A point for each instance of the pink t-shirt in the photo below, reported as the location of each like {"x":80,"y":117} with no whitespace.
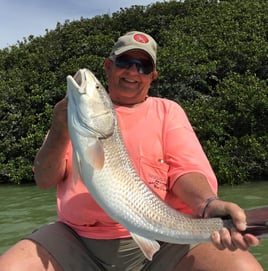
{"x":162,"y":145}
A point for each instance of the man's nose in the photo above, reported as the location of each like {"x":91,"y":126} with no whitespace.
{"x":133,"y":67}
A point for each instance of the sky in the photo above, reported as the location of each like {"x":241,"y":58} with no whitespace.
{"x":21,"y":18}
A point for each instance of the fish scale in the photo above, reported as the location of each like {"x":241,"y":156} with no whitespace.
{"x":104,"y":166}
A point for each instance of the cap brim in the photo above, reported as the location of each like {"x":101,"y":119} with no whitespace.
{"x":132,"y":48}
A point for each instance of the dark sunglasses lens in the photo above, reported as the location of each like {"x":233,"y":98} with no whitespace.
{"x":122,"y":63}
{"x":143,"y":68}
{"x":148,"y":69}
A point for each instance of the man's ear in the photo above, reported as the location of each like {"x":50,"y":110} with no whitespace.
{"x":154,"y":75}
{"x":107,"y":63}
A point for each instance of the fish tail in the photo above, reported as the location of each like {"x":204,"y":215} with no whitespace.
{"x":257,"y":222}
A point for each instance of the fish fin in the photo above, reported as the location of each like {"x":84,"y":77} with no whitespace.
{"x":76,"y":166}
{"x":147,"y":246}
{"x":95,"y":154}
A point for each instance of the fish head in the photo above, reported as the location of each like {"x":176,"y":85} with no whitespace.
{"x":90,"y":104}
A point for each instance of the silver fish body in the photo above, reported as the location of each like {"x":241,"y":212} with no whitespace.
{"x":109,"y":175}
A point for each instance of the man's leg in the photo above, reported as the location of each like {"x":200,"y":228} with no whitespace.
{"x":206,"y":257}
{"x":27,"y":255}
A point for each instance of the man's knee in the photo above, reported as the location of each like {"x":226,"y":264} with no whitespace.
{"x":208,"y":258}
{"x":27,"y":255}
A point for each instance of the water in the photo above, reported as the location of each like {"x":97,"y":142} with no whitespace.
{"x":24,"y":208}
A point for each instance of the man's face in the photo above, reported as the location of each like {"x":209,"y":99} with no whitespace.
{"x":126,"y":82}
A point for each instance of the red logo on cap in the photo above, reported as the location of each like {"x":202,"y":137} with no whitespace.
{"x":141,"y":38}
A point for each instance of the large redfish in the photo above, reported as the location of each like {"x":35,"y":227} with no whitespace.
{"x":102,"y":161}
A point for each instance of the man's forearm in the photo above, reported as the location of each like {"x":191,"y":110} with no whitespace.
{"x":49,"y":163}
{"x":194,"y":189}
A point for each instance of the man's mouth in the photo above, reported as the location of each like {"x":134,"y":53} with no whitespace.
{"x":129,"y":80}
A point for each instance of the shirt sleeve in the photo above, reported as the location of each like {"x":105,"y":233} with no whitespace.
{"x":183,"y":151}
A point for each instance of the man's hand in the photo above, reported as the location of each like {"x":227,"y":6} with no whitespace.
{"x":231,"y":239}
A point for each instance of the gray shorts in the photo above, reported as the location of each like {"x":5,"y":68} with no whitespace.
{"x":75,"y":253}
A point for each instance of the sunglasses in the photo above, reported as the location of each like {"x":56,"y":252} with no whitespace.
{"x":143,"y":67}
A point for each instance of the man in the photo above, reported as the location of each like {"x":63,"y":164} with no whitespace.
{"x":167,"y":156}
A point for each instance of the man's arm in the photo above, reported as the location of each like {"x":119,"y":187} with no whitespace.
{"x":50,"y":162}
{"x":194,"y":190}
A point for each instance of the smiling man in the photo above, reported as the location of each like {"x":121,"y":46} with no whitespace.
{"x":167,"y":156}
